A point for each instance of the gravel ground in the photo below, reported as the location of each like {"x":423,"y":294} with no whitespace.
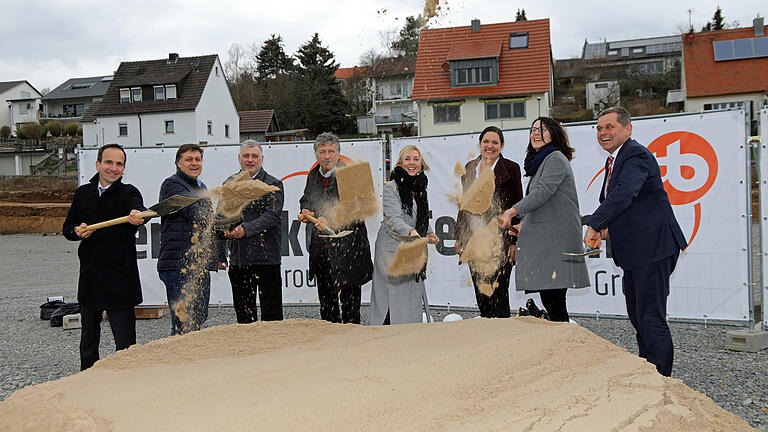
{"x":34,"y":267}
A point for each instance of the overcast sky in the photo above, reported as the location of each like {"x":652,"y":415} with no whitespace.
{"x":48,"y":42}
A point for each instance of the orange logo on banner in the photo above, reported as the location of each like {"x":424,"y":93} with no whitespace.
{"x":345,"y":160}
{"x":688,"y":163}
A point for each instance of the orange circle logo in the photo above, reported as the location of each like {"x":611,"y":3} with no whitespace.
{"x":688,"y":164}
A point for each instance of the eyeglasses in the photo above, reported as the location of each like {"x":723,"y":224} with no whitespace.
{"x":540,"y":129}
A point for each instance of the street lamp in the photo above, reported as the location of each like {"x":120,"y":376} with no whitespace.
{"x":538,"y":98}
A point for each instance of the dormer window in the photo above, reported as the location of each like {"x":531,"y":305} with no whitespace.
{"x":159,"y":93}
{"x":125,"y":95}
{"x":170,"y":91}
{"x":136,"y":94}
{"x":470,"y":73}
{"x":518,"y":41}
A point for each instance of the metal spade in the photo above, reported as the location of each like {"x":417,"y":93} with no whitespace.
{"x":163,"y":208}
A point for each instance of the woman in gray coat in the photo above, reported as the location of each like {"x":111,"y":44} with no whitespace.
{"x":398,"y":299}
{"x":551,"y":221}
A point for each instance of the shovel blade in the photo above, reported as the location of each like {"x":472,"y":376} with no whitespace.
{"x":173,"y":204}
{"x":337,"y":235}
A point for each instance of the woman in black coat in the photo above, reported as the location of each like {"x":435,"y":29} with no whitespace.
{"x":508,"y":190}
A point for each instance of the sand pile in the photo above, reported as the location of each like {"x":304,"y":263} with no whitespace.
{"x":357,"y":196}
{"x":409,"y":258}
{"x":480,"y":374}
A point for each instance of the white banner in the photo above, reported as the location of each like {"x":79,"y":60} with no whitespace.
{"x":146,"y":168}
{"x":702,"y":158}
{"x":764,"y":210}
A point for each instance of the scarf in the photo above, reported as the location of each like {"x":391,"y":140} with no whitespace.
{"x":534,"y":159}
{"x":413,"y":188}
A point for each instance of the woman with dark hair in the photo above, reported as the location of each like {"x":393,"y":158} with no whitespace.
{"x":398,"y":299}
{"x":551,"y":221}
{"x":508,"y":190}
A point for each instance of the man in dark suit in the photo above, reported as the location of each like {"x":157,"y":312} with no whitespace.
{"x":645,"y":237}
{"x":109,"y":274}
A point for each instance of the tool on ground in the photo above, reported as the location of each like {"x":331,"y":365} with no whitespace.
{"x":589,"y":250}
{"x":329,"y":233}
{"x":163,"y":208}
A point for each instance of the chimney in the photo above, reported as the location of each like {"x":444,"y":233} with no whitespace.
{"x":173,"y":57}
{"x":475,"y":25}
{"x":758,"y":24}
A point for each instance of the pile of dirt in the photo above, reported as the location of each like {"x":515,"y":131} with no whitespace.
{"x":479,"y":374}
{"x":34,"y":204}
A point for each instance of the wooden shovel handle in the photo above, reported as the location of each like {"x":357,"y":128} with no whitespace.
{"x":120,"y":220}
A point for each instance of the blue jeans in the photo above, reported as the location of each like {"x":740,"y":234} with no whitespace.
{"x":188,"y":297}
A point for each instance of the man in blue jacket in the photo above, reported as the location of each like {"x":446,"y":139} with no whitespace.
{"x":635,"y":213}
{"x":186,"y":245}
{"x":254,"y":245}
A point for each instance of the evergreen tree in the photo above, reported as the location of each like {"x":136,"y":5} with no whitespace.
{"x":271,"y":60}
{"x":321,"y":104}
{"x":520,"y":16}
{"x":718,"y":22}
{"x":408,"y":42}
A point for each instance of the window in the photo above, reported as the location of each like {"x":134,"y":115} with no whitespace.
{"x":518,"y":40}
{"x":396,"y":89}
{"x":637,"y":50}
{"x":447,"y":113}
{"x":480,"y":72}
{"x":169,"y":129}
{"x":25,"y":95}
{"x":125,"y":95}
{"x":159,"y":93}
{"x":613,"y":52}
{"x":723,"y":105}
{"x":73,"y":110}
{"x":23,"y":108}
{"x":136,"y":94}
{"x":122,"y":129}
{"x":217,"y":71}
{"x":170,"y":91}
{"x":226,"y":130}
{"x":504,"y":110}
{"x":210,"y":127}
{"x":84,"y":85}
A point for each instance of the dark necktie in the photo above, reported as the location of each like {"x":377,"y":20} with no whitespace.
{"x":608,"y":177}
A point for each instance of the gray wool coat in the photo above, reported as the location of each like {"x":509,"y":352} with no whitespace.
{"x":402,"y":295}
{"x":551,"y":225}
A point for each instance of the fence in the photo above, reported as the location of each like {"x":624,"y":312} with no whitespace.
{"x":704,"y":161}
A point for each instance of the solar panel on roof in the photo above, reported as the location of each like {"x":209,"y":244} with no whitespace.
{"x":741,"y":48}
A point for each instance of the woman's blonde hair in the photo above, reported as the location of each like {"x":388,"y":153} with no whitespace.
{"x":407,"y":149}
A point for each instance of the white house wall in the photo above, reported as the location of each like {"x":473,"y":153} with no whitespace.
{"x":106,"y":130}
{"x":759,"y":101}
{"x":472,"y":114}
{"x":216,"y":105}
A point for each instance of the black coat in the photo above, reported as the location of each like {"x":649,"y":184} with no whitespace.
{"x":177,"y":229}
{"x":348,"y":258}
{"x":263,"y":231}
{"x":109,"y":275}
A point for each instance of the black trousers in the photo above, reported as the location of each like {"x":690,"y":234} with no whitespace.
{"x":645,"y":290}
{"x":554,"y":303}
{"x":248,"y":281}
{"x":497,"y":304}
{"x":339,"y":302}
{"x":121,"y":321}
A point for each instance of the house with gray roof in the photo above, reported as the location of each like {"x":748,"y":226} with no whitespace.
{"x":165,"y":102}
{"x":69,"y":101}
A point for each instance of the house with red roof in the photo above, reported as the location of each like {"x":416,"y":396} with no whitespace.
{"x":468,"y":78}
{"x":727,"y":69}
{"x":164,"y":102}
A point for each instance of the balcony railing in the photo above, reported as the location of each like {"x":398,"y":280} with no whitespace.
{"x":396,"y":118}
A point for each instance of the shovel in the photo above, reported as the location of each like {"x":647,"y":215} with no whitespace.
{"x":163,"y":208}
{"x":329,"y":233}
{"x":589,"y":250}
